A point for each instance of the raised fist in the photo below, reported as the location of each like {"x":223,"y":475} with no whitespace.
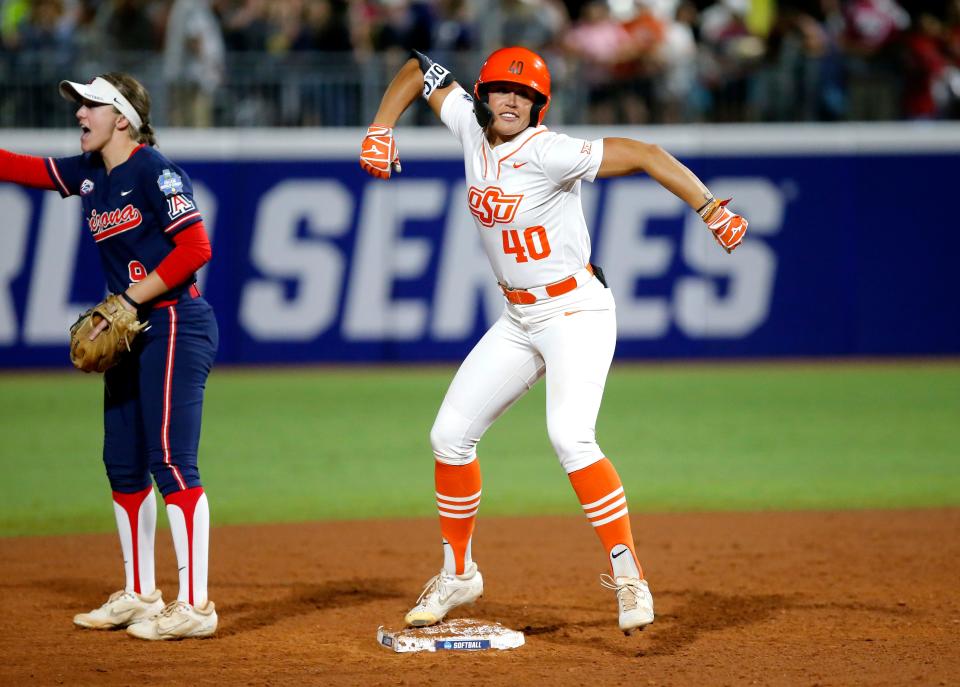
{"x":728,"y":229}
{"x":378,"y":152}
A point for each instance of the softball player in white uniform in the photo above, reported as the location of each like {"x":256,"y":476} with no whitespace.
{"x":559,"y":319}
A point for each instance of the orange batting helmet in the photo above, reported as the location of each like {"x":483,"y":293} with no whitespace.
{"x":513,"y":65}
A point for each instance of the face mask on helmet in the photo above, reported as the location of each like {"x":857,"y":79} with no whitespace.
{"x":484,"y":115}
{"x":513,"y":65}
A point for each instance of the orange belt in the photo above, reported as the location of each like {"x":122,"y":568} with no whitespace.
{"x":557,"y":288}
{"x":188,"y":295}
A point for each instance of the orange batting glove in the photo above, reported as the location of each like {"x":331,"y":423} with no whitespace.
{"x":378,"y":152}
{"x":728,"y":229}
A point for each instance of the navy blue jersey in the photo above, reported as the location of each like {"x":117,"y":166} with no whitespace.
{"x":132,"y":213}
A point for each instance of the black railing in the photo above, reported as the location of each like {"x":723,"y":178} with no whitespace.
{"x":340,"y":89}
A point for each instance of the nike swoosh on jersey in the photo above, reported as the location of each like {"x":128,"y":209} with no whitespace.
{"x":518,"y":165}
{"x":126,"y":193}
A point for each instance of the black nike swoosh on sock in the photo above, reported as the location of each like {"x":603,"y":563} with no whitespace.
{"x":615,"y":555}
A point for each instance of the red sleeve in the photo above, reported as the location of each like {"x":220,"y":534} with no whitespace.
{"x":25,"y":170}
{"x":191,"y":251}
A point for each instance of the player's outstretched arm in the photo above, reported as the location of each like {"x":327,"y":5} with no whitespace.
{"x":622,"y":156}
{"x":418,"y":76}
{"x":25,"y":170}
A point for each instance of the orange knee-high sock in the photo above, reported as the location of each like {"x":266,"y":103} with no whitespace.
{"x":601,"y":494}
{"x":458,"y":499}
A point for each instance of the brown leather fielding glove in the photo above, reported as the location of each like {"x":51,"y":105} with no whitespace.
{"x":105,"y":350}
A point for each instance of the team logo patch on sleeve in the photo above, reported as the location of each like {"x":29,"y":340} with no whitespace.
{"x":170,"y":183}
{"x":178,"y":205}
{"x":86,"y":187}
{"x":587,"y":147}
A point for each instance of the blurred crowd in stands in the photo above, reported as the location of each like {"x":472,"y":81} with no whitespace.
{"x":614,"y":61}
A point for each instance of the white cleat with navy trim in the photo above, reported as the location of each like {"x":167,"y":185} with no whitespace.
{"x":122,"y":609}
{"x":179,"y":620}
{"x":633,"y":600}
{"x":443,"y":593}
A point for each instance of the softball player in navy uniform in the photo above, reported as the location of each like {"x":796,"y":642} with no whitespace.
{"x":523,"y":190}
{"x":140,"y":211}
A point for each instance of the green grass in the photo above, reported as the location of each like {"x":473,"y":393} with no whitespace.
{"x":315,"y":443}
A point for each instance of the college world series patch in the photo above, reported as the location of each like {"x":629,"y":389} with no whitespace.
{"x":170,"y":183}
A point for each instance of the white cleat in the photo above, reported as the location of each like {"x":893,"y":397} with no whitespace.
{"x":179,"y":620}
{"x":122,"y":609}
{"x":443,"y":593}
{"x":633,"y":599}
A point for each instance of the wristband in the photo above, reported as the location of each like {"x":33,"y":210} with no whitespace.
{"x":703,"y":209}
{"x":434,"y":75}
{"x":124,"y":296}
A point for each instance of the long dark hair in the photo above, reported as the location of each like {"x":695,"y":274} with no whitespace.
{"x":139,"y":98}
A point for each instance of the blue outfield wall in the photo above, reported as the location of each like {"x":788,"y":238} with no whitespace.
{"x":852,"y":248}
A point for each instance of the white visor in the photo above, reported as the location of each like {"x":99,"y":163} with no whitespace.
{"x":101,"y":91}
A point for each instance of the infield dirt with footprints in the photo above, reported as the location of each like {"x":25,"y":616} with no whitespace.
{"x":835,"y":598}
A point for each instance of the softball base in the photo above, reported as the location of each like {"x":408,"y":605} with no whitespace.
{"x":460,"y":634}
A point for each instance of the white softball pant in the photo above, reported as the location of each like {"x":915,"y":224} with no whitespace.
{"x":570,"y":340}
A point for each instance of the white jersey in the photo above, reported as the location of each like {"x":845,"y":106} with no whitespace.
{"x":524,"y":196}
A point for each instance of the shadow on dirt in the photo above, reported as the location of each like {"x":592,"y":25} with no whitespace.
{"x":700,"y":613}
{"x":695,"y":614}
{"x":78,"y":594}
{"x":304,"y":599}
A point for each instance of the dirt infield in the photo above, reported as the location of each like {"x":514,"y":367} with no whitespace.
{"x":866,"y":598}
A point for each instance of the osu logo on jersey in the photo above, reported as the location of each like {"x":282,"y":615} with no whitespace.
{"x":491,"y":205}
{"x":108,"y":224}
